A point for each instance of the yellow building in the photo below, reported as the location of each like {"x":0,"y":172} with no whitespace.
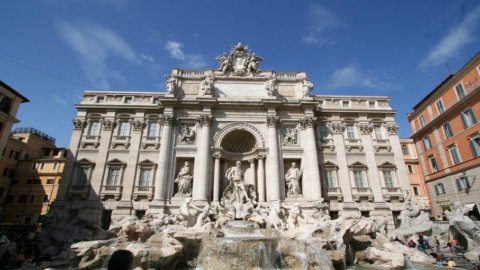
{"x":33,"y":185}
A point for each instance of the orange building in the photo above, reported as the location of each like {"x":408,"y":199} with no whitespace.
{"x":446,"y":132}
{"x":418,"y":189}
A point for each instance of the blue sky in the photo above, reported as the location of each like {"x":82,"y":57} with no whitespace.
{"x":53,"y":50}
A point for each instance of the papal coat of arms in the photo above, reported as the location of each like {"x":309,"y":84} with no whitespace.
{"x":240,"y":62}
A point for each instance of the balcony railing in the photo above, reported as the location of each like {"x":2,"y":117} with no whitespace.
{"x":111,"y":191}
{"x":335,"y":193}
{"x":362,"y":192}
{"x":392,"y":192}
{"x":121,"y":140}
{"x":143,"y":191}
{"x":151,"y":141}
{"x":353,"y":143}
{"x":79,"y":191}
{"x":90,"y":140}
{"x":469,"y":88}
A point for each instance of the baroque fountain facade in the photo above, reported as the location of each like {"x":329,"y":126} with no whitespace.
{"x":235,"y":160}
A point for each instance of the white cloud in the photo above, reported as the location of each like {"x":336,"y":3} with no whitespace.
{"x":457,"y":37}
{"x":57,"y":99}
{"x":321,"y":20}
{"x":147,"y":57}
{"x":351,"y":76}
{"x":94,"y":45}
{"x":175,"y":49}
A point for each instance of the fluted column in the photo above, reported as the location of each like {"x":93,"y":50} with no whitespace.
{"x":161,"y":181}
{"x":273,"y":163}
{"x":216,"y":178}
{"x":261,"y":179}
{"x":201,"y":185}
{"x":311,"y":174}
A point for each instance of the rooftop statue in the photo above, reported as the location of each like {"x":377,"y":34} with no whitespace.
{"x":240,"y":62}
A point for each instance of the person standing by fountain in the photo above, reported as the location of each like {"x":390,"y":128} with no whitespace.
{"x":292,"y":178}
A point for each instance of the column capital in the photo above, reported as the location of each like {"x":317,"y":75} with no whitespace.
{"x":216,"y":155}
{"x":307,"y":122}
{"x":109,"y":124}
{"x":365,"y":128}
{"x":261,"y":157}
{"x":138,"y":124}
{"x":79,"y":124}
{"x":272,"y":121}
{"x":204,"y":120}
{"x":392,"y":128}
{"x":336,"y":127}
{"x":167,"y":120}
{"x":251,"y":160}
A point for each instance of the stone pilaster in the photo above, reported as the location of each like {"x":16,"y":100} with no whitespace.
{"x":216,"y":178}
{"x":402,"y":177}
{"x":311,"y":186}
{"x":373,"y":175}
{"x":261,"y":179}
{"x":343,"y":176}
{"x":201,"y":185}
{"x":161,"y":181}
{"x":274,"y":178}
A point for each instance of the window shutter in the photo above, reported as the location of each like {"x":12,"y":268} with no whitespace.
{"x":463,"y":121}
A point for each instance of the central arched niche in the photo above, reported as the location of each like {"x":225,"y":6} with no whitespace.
{"x":239,"y":141}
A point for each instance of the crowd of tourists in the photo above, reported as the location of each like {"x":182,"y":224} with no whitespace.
{"x":18,"y":247}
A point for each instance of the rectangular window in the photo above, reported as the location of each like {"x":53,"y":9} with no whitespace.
{"x":45,"y":198}
{"x":475,"y":146}
{"x":415,"y":190}
{"x":114,"y":177}
{"x":371,"y":104}
{"x":145,"y":177}
{"x":82,"y":176}
{"x":32,"y":198}
{"x":454,"y":154}
{"x":405,"y":150}
{"x":42,"y":165}
{"x":100,"y":99}
{"x":468,"y":118}
{"x":433,"y":164}
{"x":378,"y":132}
{"x":387,"y":177}
{"x":123,"y":129}
{"x":426,"y":143}
{"x":410,"y":168}
{"x":94,"y":129}
{"x":351,"y":132}
{"x":439,"y":189}
{"x":330,"y":178}
{"x":54,"y":165}
{"x":345,"y":103}
{"x":152,"y":129}
{"x":50,"y":181}
{"x":324,"y":132}
{"x":440,"y":107}
{"x":422,"y":121}
{"x":10,"y":155}
{"x":447,"y":130}
{"x":460,"y":91}
{"x":5,"y":104}
{"x":128,"y":100}
{"x":358,"y":177}
{"x":462,"y":183}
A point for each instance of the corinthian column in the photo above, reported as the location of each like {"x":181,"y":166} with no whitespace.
{"x":216,"y":178}
{"x":273,"y":163}
{"x":311,"y":175}
{"x":261,"y":179}
{"x":201,"y":185}
{"x":161,"y":182}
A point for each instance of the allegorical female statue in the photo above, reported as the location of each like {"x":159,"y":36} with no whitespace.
{"x":184,"y":180}
{"x":292,"y":178}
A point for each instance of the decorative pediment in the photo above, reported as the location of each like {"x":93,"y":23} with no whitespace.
{"x":357,"y":164}
{"x":85,"y":161}
{"x":147,"y":163}
{"x":330,"y":164}
{"x":387,"y":165}
{"x":116,"y":162}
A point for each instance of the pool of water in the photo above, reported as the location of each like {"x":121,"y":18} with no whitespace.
{"x":411,"y":267}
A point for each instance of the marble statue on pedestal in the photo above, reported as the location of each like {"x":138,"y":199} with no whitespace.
{"x":206,"y":86}
{"x":184,"y":180}
{"x":238,"y":197}
{"x":292,"y":178}
{"x":307,"y":88}
{"x":171,"y":85}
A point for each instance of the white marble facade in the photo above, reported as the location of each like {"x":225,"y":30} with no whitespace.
{"x":129,"y":147}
